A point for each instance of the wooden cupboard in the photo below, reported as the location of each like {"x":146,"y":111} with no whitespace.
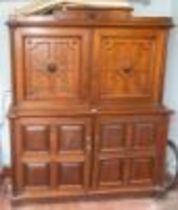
{"x":87,"y":115}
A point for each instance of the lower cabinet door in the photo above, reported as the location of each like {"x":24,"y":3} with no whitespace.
{"x":52,"y":154}
{"x":129,"y":152}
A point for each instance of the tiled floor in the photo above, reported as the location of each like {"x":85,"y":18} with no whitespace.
{"x":167,"y":203}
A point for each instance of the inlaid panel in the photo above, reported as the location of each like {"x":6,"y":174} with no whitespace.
{"x":36,"y":174}
{"x":112,"y":136}
{"x":35,"y":137}
{"x":126,"y":64}
{"x":142,"y":171}
{"x":111,"y":172}
{"x":70,"y":174}
{"x":71,"y":138}
{"x":55,"y":65}
{"x":126,"y":67}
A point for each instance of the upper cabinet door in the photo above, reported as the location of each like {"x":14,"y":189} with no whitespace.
{"x":52,"y":65}
{"x":128,"y":65}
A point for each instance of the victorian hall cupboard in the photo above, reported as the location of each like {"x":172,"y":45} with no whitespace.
{"x":87,"y":115}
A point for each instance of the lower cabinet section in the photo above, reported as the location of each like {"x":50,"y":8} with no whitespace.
{"x":88,"y":155}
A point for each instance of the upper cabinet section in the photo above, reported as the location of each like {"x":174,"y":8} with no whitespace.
{"x":87,"y":57}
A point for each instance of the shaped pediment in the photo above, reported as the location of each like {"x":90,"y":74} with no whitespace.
{"x":43,"y":6}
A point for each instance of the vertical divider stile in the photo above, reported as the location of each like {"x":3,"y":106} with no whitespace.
{"x":53,"y":156}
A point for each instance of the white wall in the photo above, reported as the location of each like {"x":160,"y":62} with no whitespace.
{"x":171,"y":83}
{"x":5,"y":9}
{"x":174,"y":9}
{"x":156,"y":8}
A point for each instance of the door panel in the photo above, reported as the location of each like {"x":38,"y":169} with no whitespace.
{"x":55,"y":67}
{"x":142,"y":171}
{"x":36,"y":175}
{"x":127,"y":66}
{"x":71,"y":138}
{"x":113,"y":137}
{"x":71,"y":175}
{"x":111,"y":172}
{"x":144,"y":135}
{"x":36,"y":138}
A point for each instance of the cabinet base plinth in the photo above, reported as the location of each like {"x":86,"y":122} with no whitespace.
{"x":58,"y":197}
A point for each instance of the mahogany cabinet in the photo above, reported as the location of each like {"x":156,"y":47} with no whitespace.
{"x":87,"y":115}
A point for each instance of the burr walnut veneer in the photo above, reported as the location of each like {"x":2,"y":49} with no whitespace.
{"x":86,"y":117}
